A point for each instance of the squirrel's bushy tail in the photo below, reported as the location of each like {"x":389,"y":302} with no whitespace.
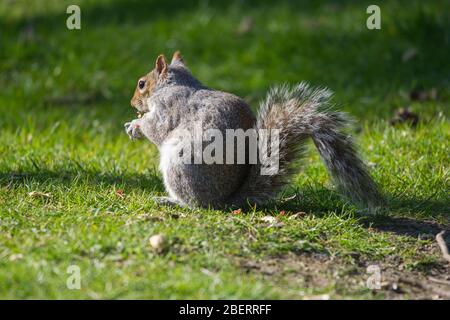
{"x":301,"y":112}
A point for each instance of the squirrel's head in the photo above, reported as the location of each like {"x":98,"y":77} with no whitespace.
{"x":147,"y":84}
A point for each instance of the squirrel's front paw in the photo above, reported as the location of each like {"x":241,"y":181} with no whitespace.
{"x":133,"y":129}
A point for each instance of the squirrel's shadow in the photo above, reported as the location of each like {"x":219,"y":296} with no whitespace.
{"x":319,"y":202}
{"x":149,"y":181}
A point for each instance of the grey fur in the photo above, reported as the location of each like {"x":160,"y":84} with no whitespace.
{"x":302,"y":112}
{"x":180,"y":101}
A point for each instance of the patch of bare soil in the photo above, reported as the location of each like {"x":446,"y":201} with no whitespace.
{"x":408,"y":227}
{"x":350,"y":277}
{"x":307,"y":271}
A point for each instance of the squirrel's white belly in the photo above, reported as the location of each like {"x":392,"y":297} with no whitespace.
{"x":169,"y":156}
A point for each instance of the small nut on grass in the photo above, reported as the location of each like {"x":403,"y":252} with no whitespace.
{"x":158,"y":242}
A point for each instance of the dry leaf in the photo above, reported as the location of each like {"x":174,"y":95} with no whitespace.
{"x":120,"y":193}
{"x":39,"y":194}
{"x":236,"y":212}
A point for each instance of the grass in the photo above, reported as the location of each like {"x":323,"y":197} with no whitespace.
{"x":64,"y":99}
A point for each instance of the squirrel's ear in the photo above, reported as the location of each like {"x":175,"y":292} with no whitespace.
{"x":161,"y":65}
{"x":177,"y":57}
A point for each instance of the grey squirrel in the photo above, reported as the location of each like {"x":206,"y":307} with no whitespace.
{"x":169,"y":100}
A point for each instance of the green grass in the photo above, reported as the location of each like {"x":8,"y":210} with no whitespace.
{"x":65,"y":96}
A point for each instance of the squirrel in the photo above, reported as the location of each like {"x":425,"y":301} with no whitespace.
{"x":169,"y":100}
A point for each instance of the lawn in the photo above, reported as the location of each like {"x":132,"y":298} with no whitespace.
{"x":75,"y":191}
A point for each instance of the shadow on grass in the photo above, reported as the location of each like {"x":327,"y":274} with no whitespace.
{"x":67,"y":178}
{"x":318,"y":202}
{"x":405,"y":226}
{"x":423,"y":212}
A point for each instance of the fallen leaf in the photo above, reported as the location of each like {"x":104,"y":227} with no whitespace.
{"x":39,"y":194}
{"x":120,"y":193}
{"x":236,"y":212}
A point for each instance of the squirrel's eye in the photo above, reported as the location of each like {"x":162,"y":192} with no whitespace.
{"x":141,"y":84}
